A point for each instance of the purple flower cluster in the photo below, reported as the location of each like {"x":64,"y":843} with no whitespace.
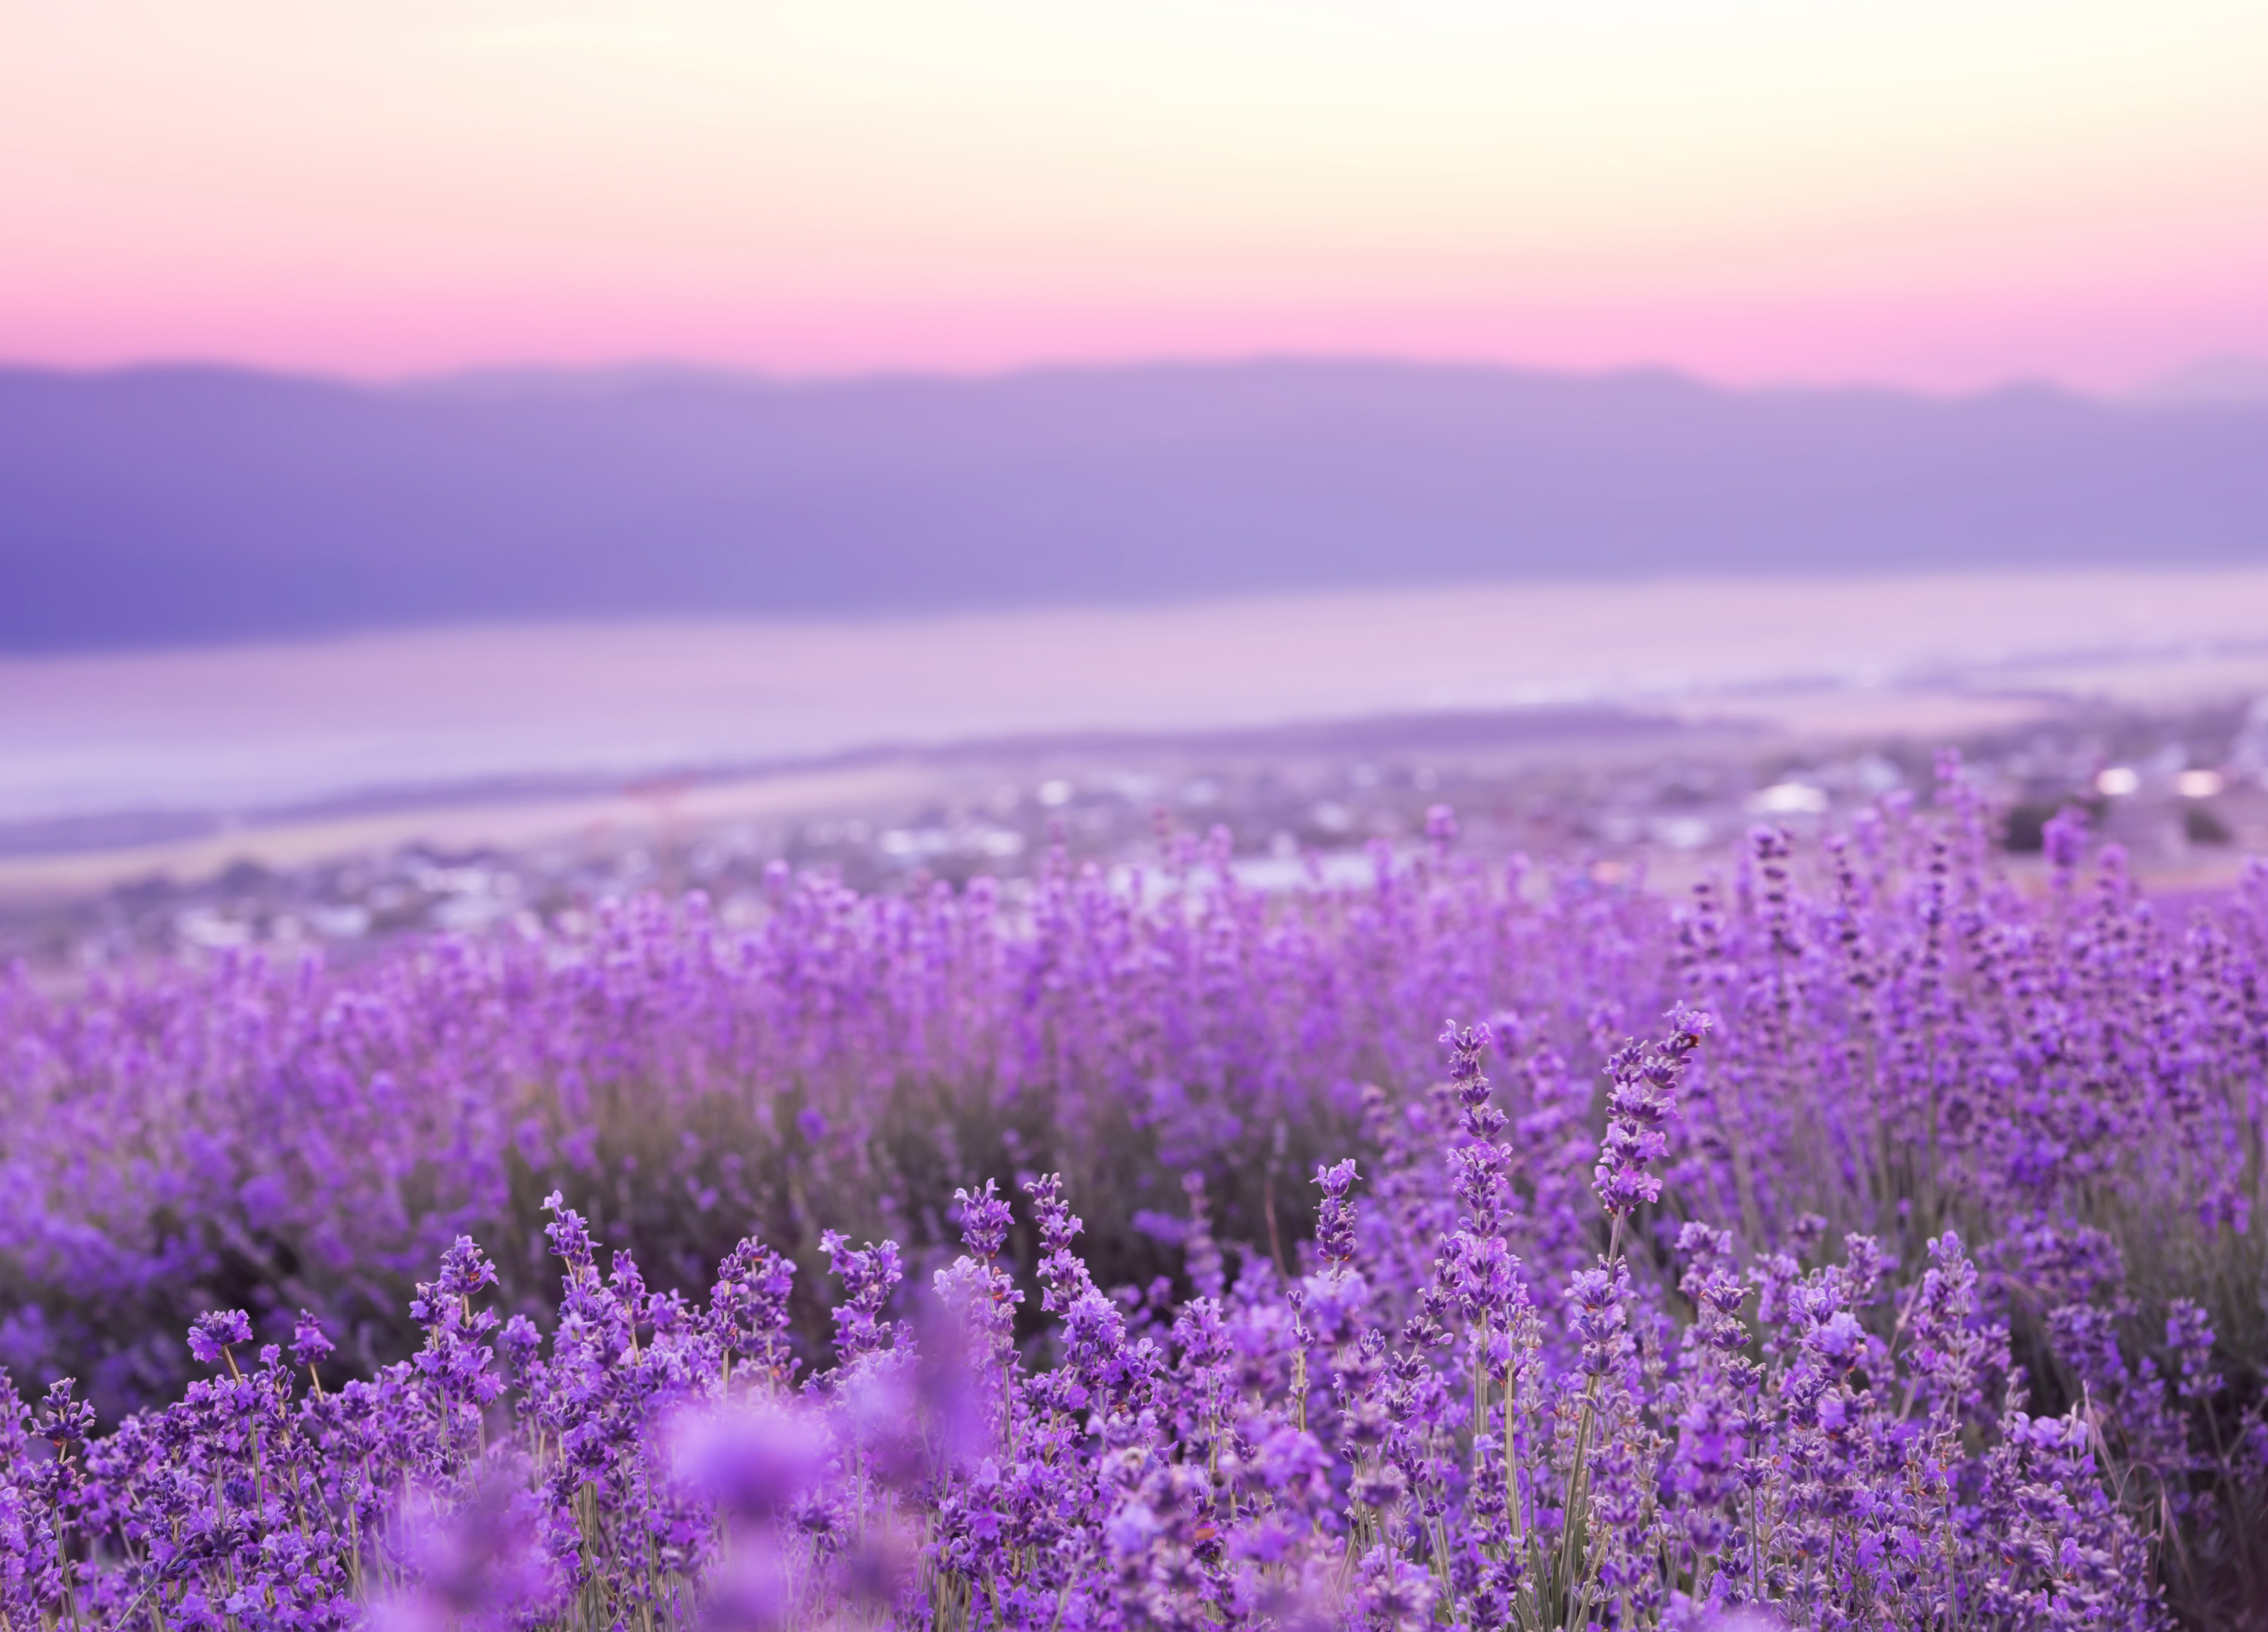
{"x":1904,"y":1274}
{"x":1478,"y":1448}
{"x":276,"y":1136}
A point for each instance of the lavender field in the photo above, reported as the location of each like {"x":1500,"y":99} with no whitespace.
{"x":1855,"y":1241}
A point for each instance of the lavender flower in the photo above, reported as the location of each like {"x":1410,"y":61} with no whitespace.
{"x":1335,"y":1219}
{"x":1639,"y":1106}
{"x":1787,"y":1388}
{"x":214,"y":1335}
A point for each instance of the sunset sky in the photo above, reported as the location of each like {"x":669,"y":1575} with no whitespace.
{"x":1943,"y":193}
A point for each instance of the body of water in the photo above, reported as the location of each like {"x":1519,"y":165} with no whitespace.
{"x":260,"y":726}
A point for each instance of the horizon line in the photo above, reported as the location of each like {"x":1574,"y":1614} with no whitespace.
{"x":661,"y":367}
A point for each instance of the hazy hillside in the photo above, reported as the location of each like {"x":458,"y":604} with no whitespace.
{"x":193,"y":504}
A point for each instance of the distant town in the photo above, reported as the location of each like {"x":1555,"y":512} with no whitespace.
{"x":1630,"y":796}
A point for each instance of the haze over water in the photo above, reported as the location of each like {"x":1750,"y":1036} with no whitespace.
{"x":259,"y":725}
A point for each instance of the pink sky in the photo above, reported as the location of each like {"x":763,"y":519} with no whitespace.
{"x":1935,"y":192}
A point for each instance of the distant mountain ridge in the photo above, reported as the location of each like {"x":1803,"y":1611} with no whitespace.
{"x":170,"y":504}
{"x":2229,"y":378}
